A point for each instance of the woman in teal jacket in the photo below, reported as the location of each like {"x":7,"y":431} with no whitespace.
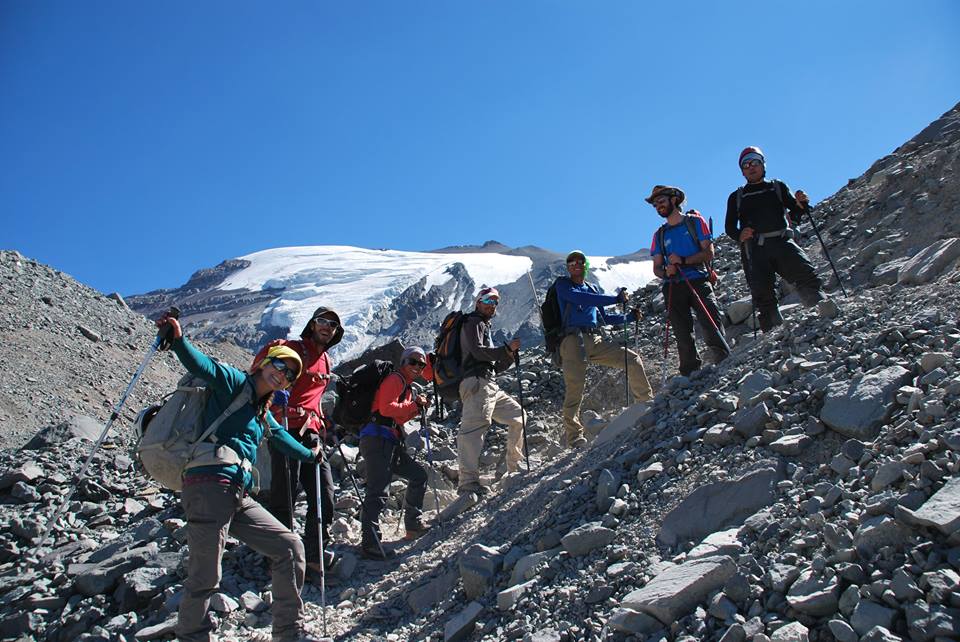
{"x":215,"y":498}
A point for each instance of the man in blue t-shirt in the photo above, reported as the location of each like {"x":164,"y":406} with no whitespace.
{"x":682,"y":249}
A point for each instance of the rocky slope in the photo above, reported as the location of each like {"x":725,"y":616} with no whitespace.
{"x":808,"y":488}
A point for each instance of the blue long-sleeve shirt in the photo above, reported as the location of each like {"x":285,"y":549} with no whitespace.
{"x":241,"y":431}
{"x":581,"y":306}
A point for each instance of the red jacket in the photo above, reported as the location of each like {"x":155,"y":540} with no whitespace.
{"x":394,"y":398}
{"x":304,"y":411}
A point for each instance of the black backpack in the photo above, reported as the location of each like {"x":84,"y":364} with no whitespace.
{"x":448,"y":357}
{"x":355,"y":394}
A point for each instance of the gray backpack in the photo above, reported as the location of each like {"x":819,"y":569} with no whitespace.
{"x":172,"y":438}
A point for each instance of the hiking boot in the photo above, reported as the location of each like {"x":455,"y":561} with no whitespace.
{"x":579,"y":442}
{"x":473,"y":487}
{"x":373,"y":552}
{"x":415,"y":530}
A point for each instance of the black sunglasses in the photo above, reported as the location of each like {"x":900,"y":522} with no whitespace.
{"x":282,"y":366}
{"x":415,"y":363}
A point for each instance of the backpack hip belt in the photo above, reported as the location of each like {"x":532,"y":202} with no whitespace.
{"x":786,"y":233}
{"x":596,"y":331}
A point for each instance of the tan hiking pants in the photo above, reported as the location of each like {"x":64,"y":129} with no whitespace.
{"x":595,"y":349}
{"x":212,"y":510}
{"x":484,"y":402}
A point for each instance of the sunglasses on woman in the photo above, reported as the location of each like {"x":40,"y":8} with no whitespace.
{"x":416,"y":364}
{"x":281,"y":366}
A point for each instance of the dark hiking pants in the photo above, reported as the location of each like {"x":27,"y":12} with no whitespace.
{"x":784,"y":257}
{"x":384,"y":459}
{"x":683,"y":305}
{"x":302,"y":475}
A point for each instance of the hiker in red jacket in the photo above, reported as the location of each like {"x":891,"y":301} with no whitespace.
{"x":382,"y":447}
{"x":305,"y":422}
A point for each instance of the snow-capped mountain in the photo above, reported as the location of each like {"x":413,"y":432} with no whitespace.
{"x":379,"y":294}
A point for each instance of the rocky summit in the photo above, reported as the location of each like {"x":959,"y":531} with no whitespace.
{"x":807,"y":488}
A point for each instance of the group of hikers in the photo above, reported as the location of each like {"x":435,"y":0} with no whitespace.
{"x":287,"y":378}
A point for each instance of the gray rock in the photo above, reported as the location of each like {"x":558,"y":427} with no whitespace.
{"x":903,"y":586}
{"x":607,"y":485}
{"x":791,"y":445}
{"x":752,"y":384}
{"x":868,"y":614}
{"x":649,"y":472}
{"x":100,"y":578}
{"x":880,"y":634}
{"x":676,"y":591}
{"x":941,"y":511}
{"x":858,"y":408}
{"x":25,"y":493}
{"x":751,"y":421}
{"x":782,"y":577}
{"x":792,"y":632}
{"x":815,"y":596}
{"x":139,"y":586}
{"x":433,"y":592}
{"x":877,"y":532}
{"x":252,"y":602}
{"x":583,"y":539}
{"x":508,"y":598}
{"x":889,"y":473}
{"x":842,"y":631}
{"x":740,"y":310}
{"x":930,"y":361}
{"x":720,"y":435}
{"x":633,"y":622}
{"x":223,"y":603}
{"x":478,"y":566}
{"x":75,"y":427}
{"x":461,"y":626}
{"x":714,"y":506}
{"x":721,"y":543}
{"x":526,"y":567}
{"x":627,"y":420}
{"x":157,"y":631}
{"x":927,"y":264}
{"x":28,"y":472}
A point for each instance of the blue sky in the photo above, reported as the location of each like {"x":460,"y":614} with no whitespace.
{"x":140,"y":141}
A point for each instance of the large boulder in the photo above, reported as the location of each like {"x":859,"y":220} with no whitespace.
{"x":941,"y":511}
{"x":676,"y":591}
{"x":858,"y":408}
{"x":75,"y":427}
{"x":714,"y":506}
{"x":927,"y":264}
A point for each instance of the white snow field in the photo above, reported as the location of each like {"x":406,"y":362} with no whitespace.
{"x":360,"y":283}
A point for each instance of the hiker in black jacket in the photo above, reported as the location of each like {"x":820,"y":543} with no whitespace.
{"x":761,"y":216}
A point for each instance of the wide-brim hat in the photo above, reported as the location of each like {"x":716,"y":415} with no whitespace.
{"x":665,"y":190}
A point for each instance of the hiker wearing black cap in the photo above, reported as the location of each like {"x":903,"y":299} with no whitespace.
{"x":682,"y":249}
{"x":581,"y":308}
{"x":761,"y":216}
{"x":382,"y":446}
{"x":305,"y":422}
{"x":483,"y":400}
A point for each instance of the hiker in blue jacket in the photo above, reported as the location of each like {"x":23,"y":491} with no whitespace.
{"x":215,"y":498}
{"x":581,"y":310}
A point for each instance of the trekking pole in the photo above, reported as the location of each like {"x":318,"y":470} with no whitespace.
{"x":666,"y":337}
{"x":356,"y":487}
{"x":161,"y":342}
{"x":703,"y":306}
{"x":626,"y":359}
{"x":287,"y":482}
{"x":816,"y":231}
{"x":433,"y":483}
{"x":523,"y":412}
{"x":438,"y":399}
{"x":323,"y":565}
{"x":749,"y":277}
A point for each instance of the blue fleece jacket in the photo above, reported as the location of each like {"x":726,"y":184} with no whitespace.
{"x":581,"y":306}
{"x":242,"y":431}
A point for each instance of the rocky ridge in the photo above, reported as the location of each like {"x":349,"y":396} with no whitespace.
{"x":805,"y":489}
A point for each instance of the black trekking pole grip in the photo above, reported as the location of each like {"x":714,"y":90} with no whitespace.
{"x":816,"y":230}
{"x":165,"y":334}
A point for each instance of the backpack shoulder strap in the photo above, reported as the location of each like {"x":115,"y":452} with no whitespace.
{"x":243,"y":397}
{"x":692,"y":229}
